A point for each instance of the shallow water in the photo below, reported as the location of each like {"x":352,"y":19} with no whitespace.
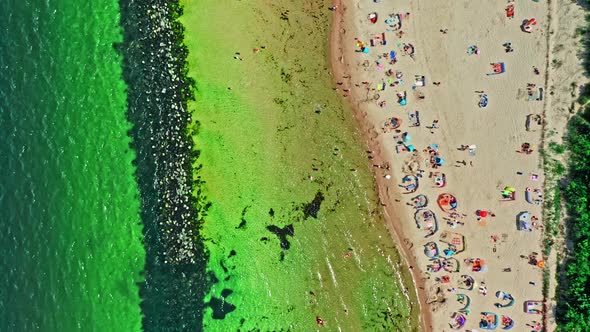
{"x":293,"y":233}
{"x":71,"y":234}
{"x":287,"y":177}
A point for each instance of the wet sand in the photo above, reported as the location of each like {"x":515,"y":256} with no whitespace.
{"x":343,"y":73}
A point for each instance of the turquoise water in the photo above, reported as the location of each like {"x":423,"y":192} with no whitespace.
{"x":71,"y":233}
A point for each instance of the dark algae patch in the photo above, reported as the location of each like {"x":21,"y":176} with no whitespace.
{"x":220,"y":306}
{"x":158,"y":91}
{"x":282,"y":234}
{"x":312,"y":208}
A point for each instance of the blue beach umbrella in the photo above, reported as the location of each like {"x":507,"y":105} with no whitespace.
{"x":365,"y":50}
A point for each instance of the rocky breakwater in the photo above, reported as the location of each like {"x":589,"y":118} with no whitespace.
{"x":154,"y":68}
{"x":159,"y":91}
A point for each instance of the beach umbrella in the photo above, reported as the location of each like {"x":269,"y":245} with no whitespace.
{"x":407,"y":137}
{"x":365,"y":50}
{"x":403,"y":102}
{"x":481,"y":213}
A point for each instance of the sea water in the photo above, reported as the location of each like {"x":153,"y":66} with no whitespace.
{"x":70,"y":235}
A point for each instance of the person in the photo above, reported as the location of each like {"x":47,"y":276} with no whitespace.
{"x":333,"y":8}
{"x":320,"y":321}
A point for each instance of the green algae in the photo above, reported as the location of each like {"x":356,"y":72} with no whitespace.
{"x":285,"y":173}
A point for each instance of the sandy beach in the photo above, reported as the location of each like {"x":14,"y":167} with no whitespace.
{"x":477,"y":84}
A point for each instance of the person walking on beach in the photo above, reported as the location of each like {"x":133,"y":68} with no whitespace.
{"x":433,"y":126}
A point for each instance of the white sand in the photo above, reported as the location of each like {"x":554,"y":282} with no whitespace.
{"x":498,"y":131}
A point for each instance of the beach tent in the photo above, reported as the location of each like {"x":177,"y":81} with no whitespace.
{"x":392,"y":124}
{"x":420,"y":201}
{"x":457,"y":321}
{"x":498,"y":68}
{"x":504,"y":297}
{"x":426,"y":220}
{"x":434,"y":266}
{"x":455,"y":241}
{"x":414,"y":118}
{"x":467,"y":282}
{"x":528,"y":196}
{"x":509,"y":193}
{"x":507,"y":323}
{"x":489,"y":321}
{"x":447,"y":202}
{"x":477,"y":264}
{"x":533,"y":307}
{"x":431,"y":250}
{"x":465,"y":301}
{"x":451,"y":265}
{"x":409,"y":49}
{"x":536,"y":95}
{"x":524,"y":221}
{"x":410,"y":183}
{"x":440,"y":180}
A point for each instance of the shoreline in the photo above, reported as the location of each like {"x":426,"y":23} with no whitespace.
{"x":339,"y":68}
